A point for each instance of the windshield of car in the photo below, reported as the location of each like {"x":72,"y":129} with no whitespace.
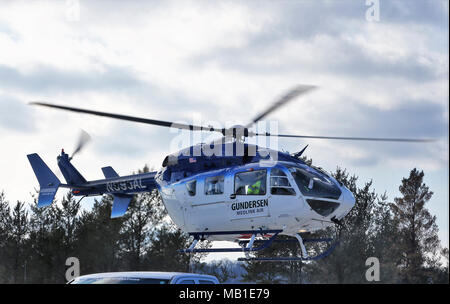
{"x":314,"y":183}
{"x":119,"y":280}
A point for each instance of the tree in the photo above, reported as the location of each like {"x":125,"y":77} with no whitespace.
{"x":419,"y":240}
{"x":383,"y":237}
{"x":99,"y":238}
{"x":163,"y":253}
{"x":63,"y":237}
{"x":19,"y":230}
{"x":145,"y":213}
{"x":40,"y":255}
{"x":442,"y":273}
{"x":141,"y":215}
{"x":224,"y":270}
{"x":346,"y":264}
{"x":5,"y":229}
{"x":276,"y":272}
{"x":5,"y":218}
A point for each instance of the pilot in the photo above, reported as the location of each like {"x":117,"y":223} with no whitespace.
{"x":255,"y":188}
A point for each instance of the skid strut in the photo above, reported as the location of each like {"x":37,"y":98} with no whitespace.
{"x":302,"y":246}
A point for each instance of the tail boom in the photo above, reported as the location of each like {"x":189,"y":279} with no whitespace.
{"x":125,"y":185}
{"x":121,"y":188}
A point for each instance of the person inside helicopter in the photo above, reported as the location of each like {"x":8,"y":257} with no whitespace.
{"x":251,"y":182}
{"x":255,"y":188}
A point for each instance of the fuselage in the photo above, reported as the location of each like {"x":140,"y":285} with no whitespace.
{"x":211,"y":193}
{"x":270,"y":191}
{"x":218,"y":200}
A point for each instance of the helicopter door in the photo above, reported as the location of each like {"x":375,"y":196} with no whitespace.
{"x":189,"y":194}
{"x":206,"y":207}
{"x":250,"y":189}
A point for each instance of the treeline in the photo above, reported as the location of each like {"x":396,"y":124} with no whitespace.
{"x":35,"y":242}
{"x":402,"y":234}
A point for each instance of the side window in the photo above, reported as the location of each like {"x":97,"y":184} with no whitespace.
{"x":279,"y":183}
{"x":250,"y":183}
{"x":191,"y":187}
{"x":214,"y":185}
{"x":205,"y":282}
{"x":187,"y":282}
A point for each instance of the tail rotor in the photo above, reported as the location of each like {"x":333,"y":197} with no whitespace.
{"x":83,"y":139}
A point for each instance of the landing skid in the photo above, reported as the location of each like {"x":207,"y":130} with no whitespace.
{"x":199,"y":236}
{"x":247,"y":245}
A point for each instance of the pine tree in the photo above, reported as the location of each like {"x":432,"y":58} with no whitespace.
{"x":5,"y":233}
{"x":4,"y":219}
{"x":346,"y":264}
{"x":19,"y":230}
{"x":163,"y":254}
{"x":276,"y":272}
{"x":62,"y":237}
{"x":99,"y":238}
{"x":383,"y":238}
{"x":141,"y":216}
{"x":225,"y":270}
{"x":419,"y":240}
{"x":40,"y":261}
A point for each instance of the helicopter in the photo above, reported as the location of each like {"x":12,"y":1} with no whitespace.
{"x":244,"y":193}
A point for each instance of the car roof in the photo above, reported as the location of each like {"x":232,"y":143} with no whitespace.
{"x":143,"y":274}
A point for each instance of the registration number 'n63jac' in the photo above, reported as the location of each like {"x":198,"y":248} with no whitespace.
{"x":135,"y":184}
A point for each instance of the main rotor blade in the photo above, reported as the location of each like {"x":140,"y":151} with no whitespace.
{"x":351,"y":138}
{"x":295,"y":92}
{"x":161,"y":123}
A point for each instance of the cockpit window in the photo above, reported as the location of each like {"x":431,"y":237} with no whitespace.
{"x":191,"y":187}
{"x":279,"y":183}
{"x":250,"y":183}
{"x":214,"y":185}
{"x":314,"y":183}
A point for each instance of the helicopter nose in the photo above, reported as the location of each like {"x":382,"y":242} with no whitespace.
{"x":347,"y":202}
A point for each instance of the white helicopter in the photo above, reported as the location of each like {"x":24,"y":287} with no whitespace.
{"x":245,"y":193}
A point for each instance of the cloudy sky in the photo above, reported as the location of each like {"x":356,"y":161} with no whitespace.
{"x":222,"y":62}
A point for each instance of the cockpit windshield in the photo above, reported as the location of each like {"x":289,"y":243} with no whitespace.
{"x":314,"y":183}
